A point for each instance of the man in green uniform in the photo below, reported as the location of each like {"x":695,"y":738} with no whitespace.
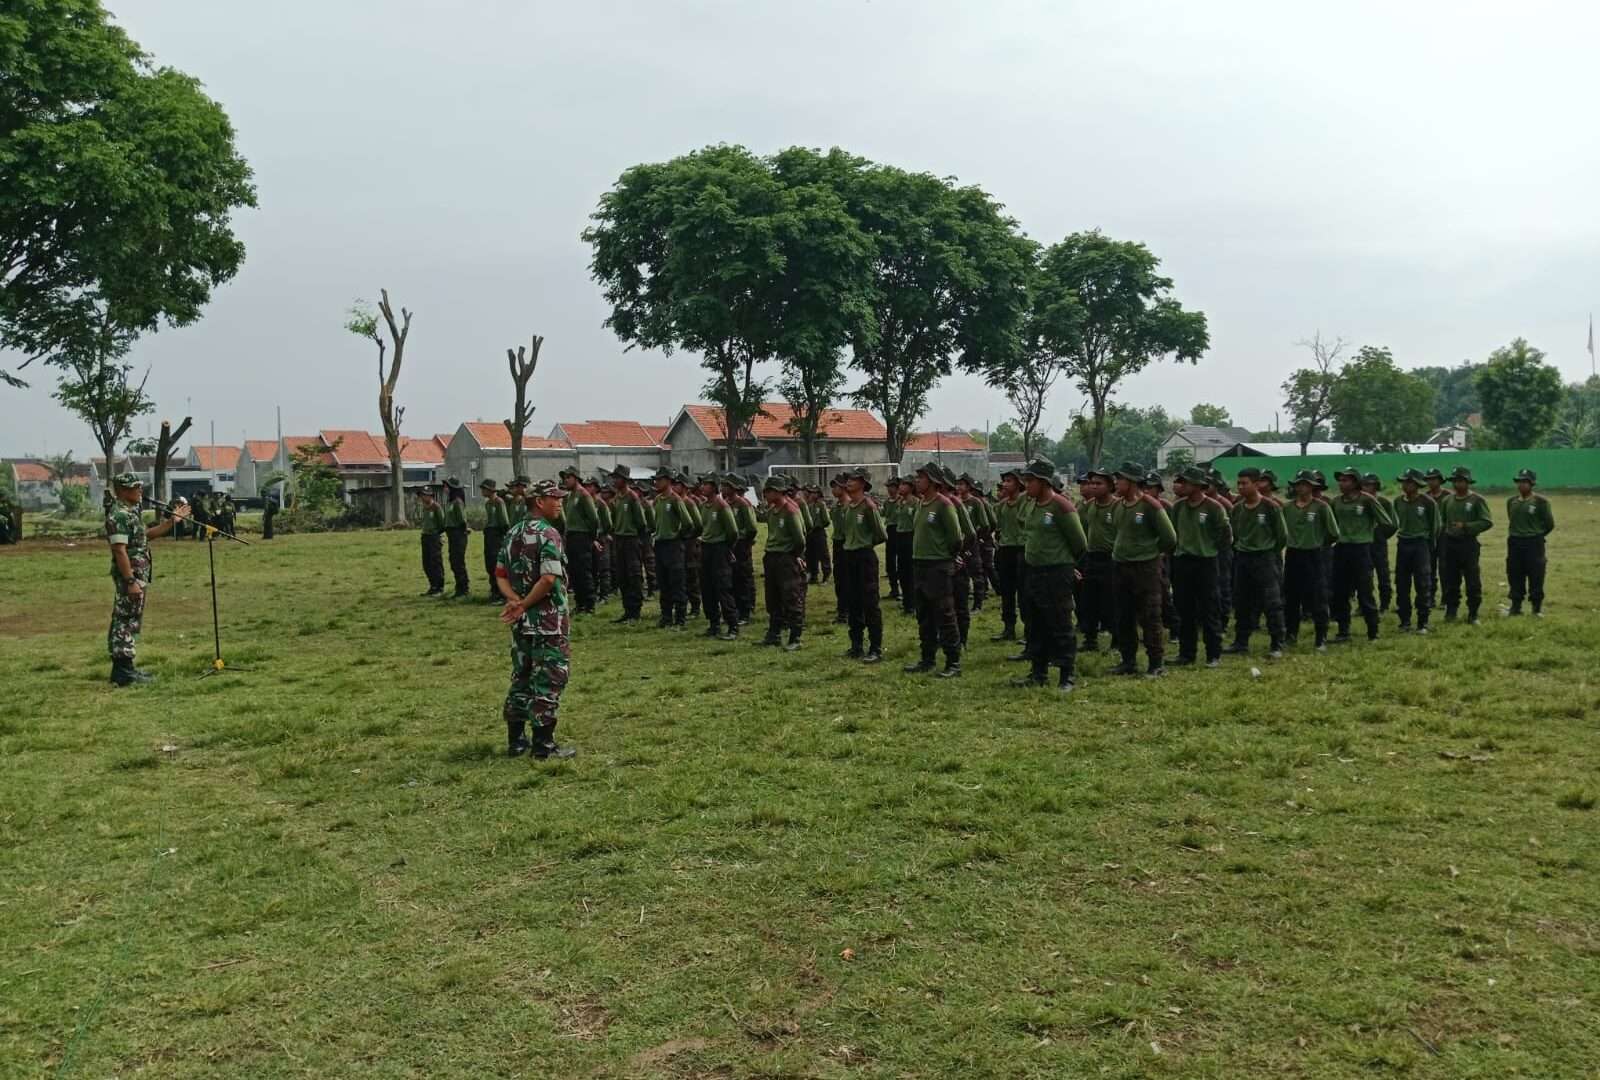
{"x":628,"y":531}
{"x":1311,"y":528}
{"x":1417,"y":523}
{"x":890,"y":509}
{"x":455,"y":531}
{"x":1053,"y":542}
{"x":694,"y":522}
{"x":906,"y":508}
{"x":860,"y":525}
{"x":1435,"y":490}
{"x":1201,"y":526}
{"x":432,"y":542}
{"x":836,"y":508}
{"x":1097,"y":610}
{"x":1217,"y":488}
{"x":532,"y":577}
{"x":744,"y":544}
{"x":1465,"y":514}
{"x":936,"y":543}
{"x":496,"y":523}
{"x":1169,"y":610}
{"x":1380,"y":542}
{"x":961,"y":583}
{"x":1143,"y":533}
{"x":516,"y":502}
{"x":672,"y":521}
{"x":718,"y":532}
{"x":1359,"y":516}
{"x":647,"y":538}
{"x":132,"y":571}
{"x":784,"y":565}
{"x":980,"y":562}
{"x":1259,"y":533}
{"x":582,"y":526}
{"x":9,"y":533}
{"x":1010,"y":544}
{"x":602,"y":541}
{"x":1529,"y":520}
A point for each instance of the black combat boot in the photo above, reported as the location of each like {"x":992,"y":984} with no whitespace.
{"x":952,"y":665}
{"x":1008,"y":633}
{"x":1064,"y":684}
{"x":921,"y":667}
{"x":1127,"y":667}
{"x":1372,"y":628}
{"x":773,"y":637}
{"x":545,"y":745}
{"x":1156,"y":669}
{"x":874,"y":654}
{"x":854,"y":651}
{"x":122,"y":672}
{"x":1038,"y":675}
{"x":516,"y":742}
{"x":794,"y":642}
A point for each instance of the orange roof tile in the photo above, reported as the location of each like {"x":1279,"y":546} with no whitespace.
{"x":31,"y":472}
{"x":216,"y":457}
{"x":951,"y":441}
{"x":657,"y":432}
{"x":844,"y":424}
{"x":609,"y":433}
{"x":444,"y":440}
{"x":419,"y":452}
{"x":261,"y":449}
{"x":496,"y":437}
{"x":355,"y":448}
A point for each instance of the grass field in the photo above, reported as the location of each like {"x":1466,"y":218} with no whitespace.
{"x":1381,"y":861}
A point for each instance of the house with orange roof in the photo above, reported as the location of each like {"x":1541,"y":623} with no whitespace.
{"x":480,"y":450}
{"x":699,"y":442}
{"x":257,"y":460}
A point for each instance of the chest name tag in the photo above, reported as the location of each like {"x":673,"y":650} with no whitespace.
{"x":1360,"y":510}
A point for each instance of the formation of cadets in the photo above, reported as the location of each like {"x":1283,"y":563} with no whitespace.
{"x":1121,"y":562}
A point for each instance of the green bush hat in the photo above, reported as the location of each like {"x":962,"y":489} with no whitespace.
{"x":1412,"y":474}
{"x":1249,"y":472}
{"x":1318,"y":479}
{"x":1130,"y":470}
{"x":1371,"y":478}
{"x":1349,"y":470}
{"x":1270,"y":477}
{"x":487,"y":485}
{"x":1433,"y":474}
{"x":1056,"y":483}
{"x":1527,"y":475}
{"x":1040,"y":469}
{"x":664,"y":473}
{"x":1216,"y":479}
{"x":127,"y":481}
{"x":950,"y":479}
{"x":619,"y":473}
{"x":1097,"y":473}
{"x":1013,"y":471}
{"x":858,"y":473}
{"x":1153,"y":479}
{"x":736,"y":482}
{"x":1194,"y":474}
{"x":775,"y":483}
{"x":1461,"y":472}
{"x":1305,"y":476}
{"x":452,"y":482}
{"x":570,"y":470}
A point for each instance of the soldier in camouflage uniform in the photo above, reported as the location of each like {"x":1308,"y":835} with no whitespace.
{"x":532,"y":576}
{"x":131,"y":570}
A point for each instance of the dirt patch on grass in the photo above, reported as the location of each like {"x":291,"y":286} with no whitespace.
{"x":664,"y":1052}
{"x":583,"y":1018}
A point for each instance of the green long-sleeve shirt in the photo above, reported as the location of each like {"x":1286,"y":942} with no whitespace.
{"x":1202,"y":529}
{"x":455,"y":515}
{"x":672,"y":517}
{"x":602,"y":513}
{"x":1465,"y":515}
{"x":786,"y":529}
{"x":432,"y":520}
{"x":1100,"y":525}
{"x":1144,"y":531}
{"x":1258,"y":528}
{"x":495,"y":515}
{"x":1310,"y":527}
{"x":861,"y":525}
{"x":1384,"y":529}
{"x":718,"y":525}
{"x":1359,"y":517}
{"x":1531,"y":516}
{"x":978,"y":509}
{"x":968,"y":533}
{"x":936,"y":532}
{"x":577,"y":510}
{"x":1053,"y":535}
{"x":1008,"y":522}
{"x":628,"y":516}
{"x":694,"y":519}
{"x":1416,"y":519}
{"x":744,"y":519}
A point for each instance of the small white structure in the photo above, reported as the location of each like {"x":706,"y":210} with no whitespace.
{"x":1202,"y":443}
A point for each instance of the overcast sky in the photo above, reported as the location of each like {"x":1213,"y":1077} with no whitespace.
{"x":1417,"y":175}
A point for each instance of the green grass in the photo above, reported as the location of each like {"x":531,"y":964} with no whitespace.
{"x":1377,"y":862}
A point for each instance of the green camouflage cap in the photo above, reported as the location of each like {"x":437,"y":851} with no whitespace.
{"x":775,"y":483}
{"x":1318,"y":479}
{"x":545,"y":489}
{"x":1039,"y":469}
{"x":520,"y":481}
{"x":858,"y":473}
{"x":1305,"y":476}
{"x":1349,"y":470}
{"x":1433,"y":474}
{"x":1097,"y":473}
{"x":570,"y":470}
{"x":1194,"y":474}
{"x":1270,"y":477}
{"x":127,"y":480}
{"x":1371,"y":478}
{"x":1130,"y":470}
{"x":488,"y":484}
{"x":1153,"y":479}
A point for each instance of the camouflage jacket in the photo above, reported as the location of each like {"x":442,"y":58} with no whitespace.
{"x":125,"y":525}
{"x":533,"y":550}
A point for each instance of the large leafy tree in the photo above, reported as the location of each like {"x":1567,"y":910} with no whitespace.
{"x":1129,"y":434}
{"x":948,"y":287}
{"x":1376,"y":406}
{"x":688,"y":252}
{"x":1210,"y":415}
{"x":1522,"y":395}
{"x":1127,"y":318}
{"x":1455,"y":392}
{"x":97,"y":385}
{"x":1578,"y":424}
{"x":117,"y":181}
{"x":1030,"y":372}
{"x":1308,"y":392}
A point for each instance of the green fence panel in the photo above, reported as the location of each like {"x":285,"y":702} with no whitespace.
{"x":1490,"y":468}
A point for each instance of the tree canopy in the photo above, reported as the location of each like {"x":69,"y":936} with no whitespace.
{"x":1308,"y":392}
{"x":1522,"y":395}
{"x":1130,"y":434}
{"x":1376,"y":406}
{"x":1455,"y":392}
{"x":117,"y":182}
{"x":1210,"y":415}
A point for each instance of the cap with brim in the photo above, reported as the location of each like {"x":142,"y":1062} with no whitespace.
{"x":621,"y":473}
{"x":1193,"y":474}
{"x":858,"y":474}
{"x":452,"y":482}
{"x":544,"y":489}
{"x":488,"y":485}
{"x":664,"y":473}
{"x":1461,"y":472}
{"x":735,"y":481}
{"x":1130,"y":470}
{"x":1040,"y":469}
{"x":775,"y":483}
{"x":1304,"y":476}
{"x":1527,"y":476}
{"x":1269,"y":476}
{"x":127,"y":480}
{"x":1013,"y":471}
{"x":1349,"y":470}
{"x":1318,"y":479}
{"x":1370,"y":478}
{"x":1056,"y":484}
{"x":523,"y":480}
{"x":1433,"y":474}
{"x":1153,"y":479}
{"x":568,"y":471}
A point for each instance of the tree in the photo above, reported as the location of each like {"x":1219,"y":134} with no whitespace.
{"x":1378,"y":407}
{"x":167,"y":443}
{"x":522,"y":364}
{"x":1522,"y":395}
{"x":1578,"y":425}
{"x":1455,"y":392}
{"x":1308,"y":392}
{"x":1210,"y":416}
{"x":97,"y":386}
{"x":1127,"y":319}
{"x":1180,"y":458}
{"x":1129,"y":434}
{"x":60,"y":467}
{"x":1052,"y":318}
{"x":119,"y":181}
{"x":1005,"y":438}
{"x":364,"y":323}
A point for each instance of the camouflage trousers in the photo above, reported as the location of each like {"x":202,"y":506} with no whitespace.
{"x":127,"y":618}
{"x":539,"y":667}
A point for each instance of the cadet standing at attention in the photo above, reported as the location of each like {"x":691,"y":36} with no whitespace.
{"x":532,"y":576}
{"x":627,"y":527}
{"x":455,"y":529}
{"x":936,"y":541}
{"x":784,"y":566}
{"x":1466,"y":516}
{"x":132,"y":571}
{"x":890,"y":508}
{"x":694,"y":522}
{"x":496,"y":522}
{"x":582,"y":525}
{"x":1053,"y":542}
{"x":602,"y":537}
{"x":744,"y":546}
{"x":982,"y":565}
{"x":432,"y":552}
{"x":860,"y":526}
{"x":1144,"y":532}
{"x":1435,"y":491}
{"x":1202,"y":527}
{"x":1380,"y":542}
{"x":1011,"y":543}
{"x":1311,"y":528}
{"x":672,"y":520}
{"x":907,"y":508}
{"x":1417,"y":523}
{"x":1258,"y":535}
{"x":1098,"y":611}
{"x":718,"y":531}
{"x":836,"y":488}
{"x":1529,"y":520}
{"x":1359,"y":516}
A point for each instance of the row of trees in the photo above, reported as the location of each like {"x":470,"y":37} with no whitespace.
{"x":832,"y":270}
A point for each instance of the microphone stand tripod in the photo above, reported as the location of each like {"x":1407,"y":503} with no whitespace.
{"x":218,"y":666}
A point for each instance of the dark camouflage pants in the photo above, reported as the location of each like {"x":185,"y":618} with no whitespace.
{"x":492,"y":538}
{"x":127,"y":618}
{"x":1138,"y":594}
{"x":1048,"y":601}
{"x":539,"y":668}
{"x":433,"y":561}
{"x":934,"y":581}
{"x":785,"y":593}
{"x":744,"y":577}
{"x":693,"y":556}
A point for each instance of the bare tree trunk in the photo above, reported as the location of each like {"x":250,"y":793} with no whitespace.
{"x":522,"y":364}
{"x":388,"y":412}
{"x":1097,"y":431}
{"x":165,"y":443}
